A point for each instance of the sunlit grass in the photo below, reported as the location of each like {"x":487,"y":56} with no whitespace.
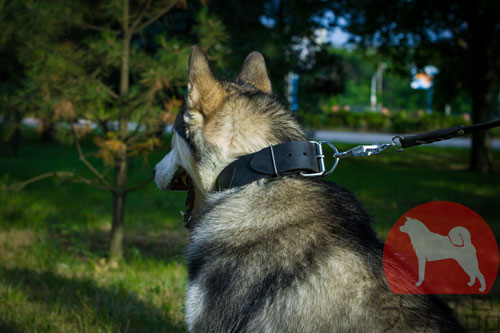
{"x":54,"y":275}
{"x":53,"y":283}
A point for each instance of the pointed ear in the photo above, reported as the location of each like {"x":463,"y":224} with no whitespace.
{"x":205,"y":92}
{"x":254,"y":72}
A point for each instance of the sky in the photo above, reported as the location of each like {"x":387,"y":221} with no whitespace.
{"x":335,"y":36}
{"x":338,"y":37}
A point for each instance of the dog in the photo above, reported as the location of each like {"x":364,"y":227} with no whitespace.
{"x":277,"y":251}
{"x":430,"y":246}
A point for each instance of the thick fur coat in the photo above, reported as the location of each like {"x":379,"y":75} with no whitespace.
{"x":286,"y":254}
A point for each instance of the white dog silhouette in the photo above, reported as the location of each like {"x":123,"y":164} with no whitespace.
{"x":430,"y":246}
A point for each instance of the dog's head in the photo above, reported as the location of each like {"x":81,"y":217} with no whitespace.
{"x":411,"y":225}
{"x":220,"y":121}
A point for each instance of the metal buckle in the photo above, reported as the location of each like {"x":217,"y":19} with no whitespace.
{"x":321,"y":160}
{"x":364,"y":150}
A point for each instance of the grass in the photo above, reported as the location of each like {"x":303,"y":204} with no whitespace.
{"x":54,"y":276}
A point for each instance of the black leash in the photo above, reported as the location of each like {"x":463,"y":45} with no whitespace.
{"x":306,"y":158}
{"x":445,"y":134}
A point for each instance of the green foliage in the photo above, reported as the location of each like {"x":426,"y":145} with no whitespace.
{"x":72,"y":64}
{"x":397,"y":122}
{"x":53,"y":273}
{"x":359,"y":67}
{"x":376,"y":121}
{"x":460,"y":38}
{"x":287,"y":24}
{"x":402,"y":124}
{"x":213,"y":37}
{"x":349,"y":109}
{"x":99,"y":63}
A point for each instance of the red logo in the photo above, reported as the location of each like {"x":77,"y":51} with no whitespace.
{"x":441,"y":247}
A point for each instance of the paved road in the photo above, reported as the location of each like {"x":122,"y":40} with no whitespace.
{"x":369,"y":138}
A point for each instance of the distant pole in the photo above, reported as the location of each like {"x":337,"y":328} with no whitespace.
{"x":447,"y":109}
{"x":373,"y":95}
{"x":292,"y":80}
{"x":430,"y":92}
{"x":376,"y":84}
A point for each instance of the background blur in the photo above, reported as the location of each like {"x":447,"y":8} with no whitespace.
{"x":88,"y":90}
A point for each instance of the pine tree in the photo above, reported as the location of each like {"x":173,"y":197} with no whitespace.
{"x":97,"y":62}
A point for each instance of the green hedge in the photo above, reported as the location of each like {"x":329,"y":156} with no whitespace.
{"x":398,"y":122}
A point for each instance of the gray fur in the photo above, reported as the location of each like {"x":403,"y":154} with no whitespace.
{"x":296,"y":255}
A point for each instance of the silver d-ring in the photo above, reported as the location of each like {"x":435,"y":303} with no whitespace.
{"x":335,"y":152}
{"x":321,"y":160}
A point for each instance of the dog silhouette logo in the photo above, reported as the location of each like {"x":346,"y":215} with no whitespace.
{"x":441,"y":247}
{"x":430,"y":246}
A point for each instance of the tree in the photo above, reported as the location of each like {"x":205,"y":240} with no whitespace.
{"x":461,"y":37}
{"x":98,"y":62}
{"x":286,"y":32}
{"x":11,"y":74}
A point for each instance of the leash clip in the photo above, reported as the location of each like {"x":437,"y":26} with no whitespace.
{"x":321,"y":159}
{"x":364,"y":150}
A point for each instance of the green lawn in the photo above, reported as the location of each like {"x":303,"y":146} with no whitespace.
{"x":54,"y":276}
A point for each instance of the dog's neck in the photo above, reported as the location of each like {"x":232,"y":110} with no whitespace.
{"x":297,"y":157}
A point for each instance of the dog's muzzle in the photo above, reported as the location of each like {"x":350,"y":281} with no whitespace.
{"x":170,"y":176}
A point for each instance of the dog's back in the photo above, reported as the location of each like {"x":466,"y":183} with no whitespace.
{"x":296,"y":255}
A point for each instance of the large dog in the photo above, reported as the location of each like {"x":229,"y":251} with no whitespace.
{"x":270,"y":249}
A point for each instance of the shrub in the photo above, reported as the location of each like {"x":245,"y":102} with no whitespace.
{"x":398,"y":122}
{"x":401,"y":123}
{"x":338,"y":119}
{"x":375,"y":120}
{"x":354,"y":120}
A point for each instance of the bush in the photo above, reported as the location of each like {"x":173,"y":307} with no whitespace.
{"x":313,"y":120}
{"x":338,"y":119}
{"x":354,"y":120}
{"x":375,"y":120}
{"x":402,"y":123}
{"x":398,"y":122}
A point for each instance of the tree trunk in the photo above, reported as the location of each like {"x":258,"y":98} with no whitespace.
{"x":15,"y":141}
{"x":480,"y":154}
{"x":13,"y":120}
{"x":483,"y":66}
{"x":119,"y":195}
{"x":47,"y":128}
{"x":483,"y":92}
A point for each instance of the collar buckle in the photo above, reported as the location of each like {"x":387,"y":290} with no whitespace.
{"x":321,"y":160}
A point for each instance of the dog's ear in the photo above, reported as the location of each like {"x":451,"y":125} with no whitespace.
{"x":205,"y":92}
{"x":254,"y":72}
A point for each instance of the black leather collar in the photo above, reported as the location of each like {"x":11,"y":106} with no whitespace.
{"x":274,"y":161}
